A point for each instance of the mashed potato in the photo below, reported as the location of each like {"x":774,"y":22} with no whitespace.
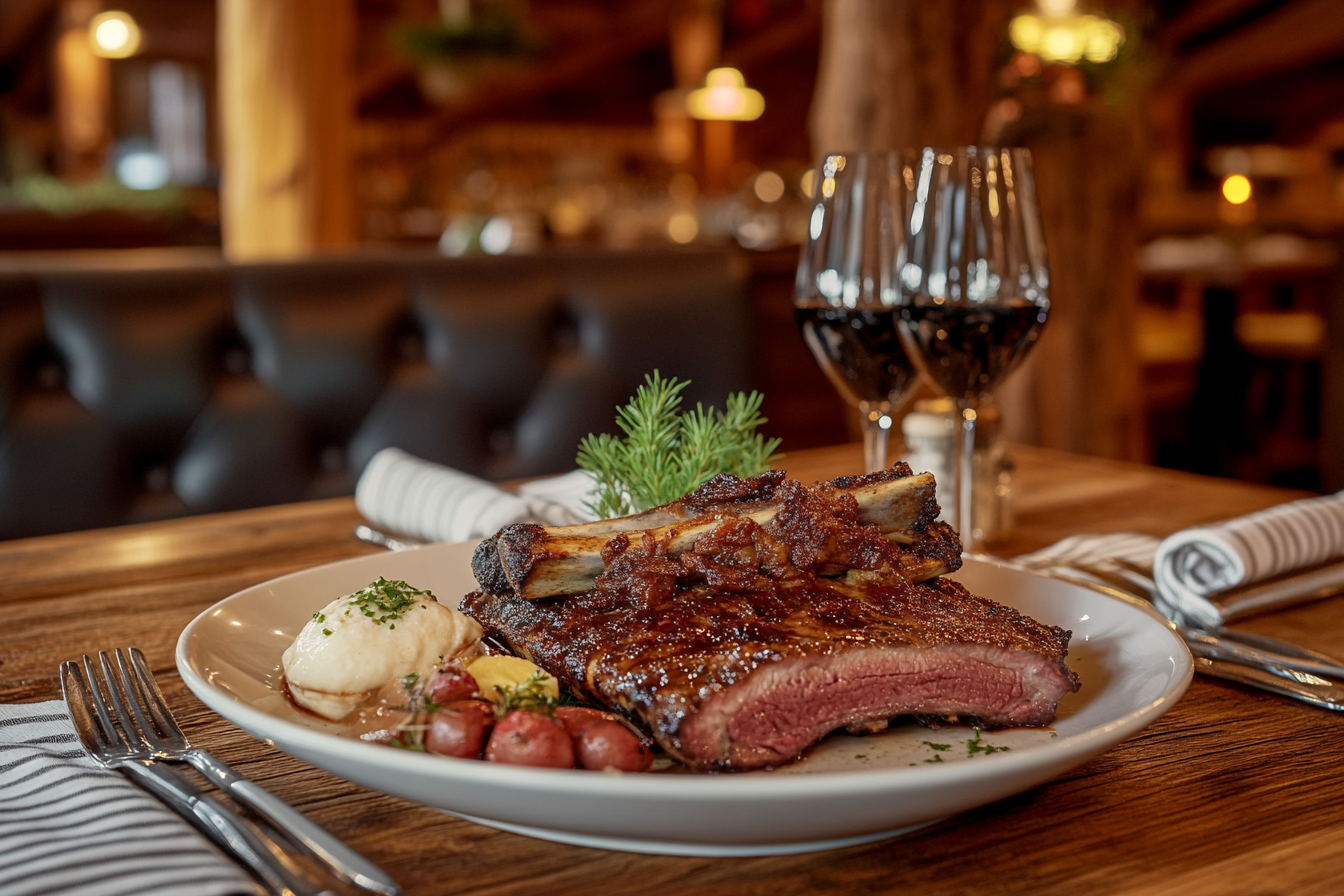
{"x":358,"y":643}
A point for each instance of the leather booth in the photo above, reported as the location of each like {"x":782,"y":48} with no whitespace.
{"x":146,"y":385}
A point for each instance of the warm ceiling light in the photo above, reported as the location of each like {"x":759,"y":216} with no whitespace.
{"x":725,"y":97}
{"x":1236,"y":188}
{"x":1061,"y":35}
{"x":114,"y":34}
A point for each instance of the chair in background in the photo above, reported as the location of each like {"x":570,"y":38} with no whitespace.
{"x":146,"y":387}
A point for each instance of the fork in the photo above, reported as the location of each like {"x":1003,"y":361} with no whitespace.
{"x":106,"y":741}
{"x":1237,"y":662}
{"x":162,"y":738}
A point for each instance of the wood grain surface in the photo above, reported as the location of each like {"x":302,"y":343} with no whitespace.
{"x":1232,"y":792}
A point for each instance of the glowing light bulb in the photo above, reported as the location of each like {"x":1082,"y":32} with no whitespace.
{"x":114,"y":35}
{"x":1237,"y":188}
{"x":1060,"y":34}
{"x":725,"y":97}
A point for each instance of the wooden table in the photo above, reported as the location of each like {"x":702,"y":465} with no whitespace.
{"x":1232,"y":792}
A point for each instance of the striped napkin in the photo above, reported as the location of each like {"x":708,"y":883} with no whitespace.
{"x":435,"y":503}
{"x":69,"y":827}
{"x":1193,"y":567}
{"x":1210,"y":574}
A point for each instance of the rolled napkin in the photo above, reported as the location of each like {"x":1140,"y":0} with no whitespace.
{"x":69,"y":827}
{"x":1196,"y":568}
{"x":1206,"y":575}
{"x":436,"y":503}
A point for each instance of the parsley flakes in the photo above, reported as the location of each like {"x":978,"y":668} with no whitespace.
{"x":387,"y":601}
{"x":974,"y":746}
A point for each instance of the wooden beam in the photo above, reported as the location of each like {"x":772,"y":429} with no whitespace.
{"x":1295,"y":35}
{"x":640,"y":27}
{"x":1203,"y":17}
{"x":18,"y":19}
{"x":780,"y":37}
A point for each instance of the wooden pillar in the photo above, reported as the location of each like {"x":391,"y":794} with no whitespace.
{"x":82,"y":95}
{"x":902,"y":73}
{"x":1084,"y":391}
{"x":910,"y":73}
{"x":286,"y":104}
{"x":1332,"y":380}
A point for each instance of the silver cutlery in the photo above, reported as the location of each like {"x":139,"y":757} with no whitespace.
{"x":1233,"y":661}
{"x":111,"y":745}
{"x":384,"y":540}
{"x":1222,"y":642}
{"x":165,"y":740}
{"x":1306,"y":688}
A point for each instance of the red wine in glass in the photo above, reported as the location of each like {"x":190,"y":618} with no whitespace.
{"x":974,"y":281}
{"x":968,"y":350}
{"x":845,"y":299}
{"x":859,"y":350}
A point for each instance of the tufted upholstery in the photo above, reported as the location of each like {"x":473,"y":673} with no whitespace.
{"x":150,"y":385}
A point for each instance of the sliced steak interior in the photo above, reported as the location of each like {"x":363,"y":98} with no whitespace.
{"x":744,"y":650}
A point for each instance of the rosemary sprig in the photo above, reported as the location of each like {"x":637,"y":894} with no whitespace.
{"x":667,"y":453}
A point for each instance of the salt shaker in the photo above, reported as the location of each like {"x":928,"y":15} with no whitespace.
{"x":929,"y":431}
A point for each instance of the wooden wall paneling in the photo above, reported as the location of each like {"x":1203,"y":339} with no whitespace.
{"x":1332,"y":379}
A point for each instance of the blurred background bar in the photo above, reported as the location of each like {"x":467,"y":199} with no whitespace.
{"x":301,"y":218}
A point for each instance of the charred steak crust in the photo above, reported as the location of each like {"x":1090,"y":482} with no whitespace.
{"x":746,"y":649}
{"x":532,"y":538}
{"x":939,"y":549}
{"x":487,"y":569}
{"x":535,"y":562}
{"x":726,"y":492}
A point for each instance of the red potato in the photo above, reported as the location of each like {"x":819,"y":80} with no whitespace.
{"x":460,"y":728}
{"x":527,"y":737}
{"x":577,"y":718}
{"x":607,"y":744}
{"x":447,"y":685}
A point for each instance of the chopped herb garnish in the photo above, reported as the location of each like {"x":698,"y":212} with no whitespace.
{"x":530,"y":693}
{"x":974,"y":746}
{"x":860,"y":755}
{"x":326,"y":632}
{"x":938,"y":747}
{"x":386,"y":601}
{"x":319,"y":617}
{"x":936,"y":758}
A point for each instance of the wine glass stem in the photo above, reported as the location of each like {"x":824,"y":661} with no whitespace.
{"x":966,"y":481}
{"x":876,"y":426}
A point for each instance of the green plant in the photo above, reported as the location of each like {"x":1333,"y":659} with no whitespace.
{"x":666,"y":453}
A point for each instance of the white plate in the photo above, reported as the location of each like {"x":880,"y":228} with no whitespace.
{"x":849,"y":790}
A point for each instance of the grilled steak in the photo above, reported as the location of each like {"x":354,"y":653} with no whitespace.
{"x":745,"y":649}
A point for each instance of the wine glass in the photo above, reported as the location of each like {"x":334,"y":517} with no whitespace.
{"x":974,"y":285}
{"x":845,"y":297}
